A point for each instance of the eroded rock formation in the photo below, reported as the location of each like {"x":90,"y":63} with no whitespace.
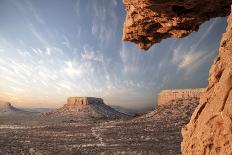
{"x":210,"y":128}
{"x":85,"y":108}
{"x":165,"y":96}
{"x":7,"y":109}
{"x":150,"y":21}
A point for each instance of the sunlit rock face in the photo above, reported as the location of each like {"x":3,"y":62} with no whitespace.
{"x":166,"y":96}
{"x":150,"y":21}
{"x":210,"y":128}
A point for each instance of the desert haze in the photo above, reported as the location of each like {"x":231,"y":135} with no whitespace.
{"x":85,"y":125}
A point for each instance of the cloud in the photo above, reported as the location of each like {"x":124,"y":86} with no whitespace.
{"x":66,"y":42}
{"x":28,"y":10}
{"x":88,"y":54}
{"x":51,"y":50}
{"x":72,"y":69}
{"x":36,"y":15}
{"x":130,"y":58}
{"x":104,"y":21}
{"x":37,"y":35}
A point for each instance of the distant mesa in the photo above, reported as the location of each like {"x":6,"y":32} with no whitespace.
{"x":167,"y":96}
{"x":84,"y":108}
{"x":7,"y":109}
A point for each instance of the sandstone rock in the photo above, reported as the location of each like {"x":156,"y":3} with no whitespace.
{"x":150,"y":21}
{"x":165,"y":96}
{"x":84,"y":108}
{"x":210,"y":128}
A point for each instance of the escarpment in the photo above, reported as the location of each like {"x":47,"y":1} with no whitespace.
{"x":150,"y":21}
{"x":166,"y":96}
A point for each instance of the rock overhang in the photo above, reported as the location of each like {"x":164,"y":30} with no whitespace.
{"x":150,"y":21}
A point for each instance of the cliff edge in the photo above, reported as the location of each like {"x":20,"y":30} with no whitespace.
{"x":166,"y":96}
{"x":149,"y":22}
{"x":209,"y":130}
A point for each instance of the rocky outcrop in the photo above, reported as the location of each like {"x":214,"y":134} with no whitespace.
{"x":85,"y":108}
{"x":6,"y":109}
{"x":150,"y":21}
{"x":210,"y":128}
{"x":165,"y":96}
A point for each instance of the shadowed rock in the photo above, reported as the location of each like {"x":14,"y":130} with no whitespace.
{"x":150,"y":21}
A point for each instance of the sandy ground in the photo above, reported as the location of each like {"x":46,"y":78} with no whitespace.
{"x":155,"y":133}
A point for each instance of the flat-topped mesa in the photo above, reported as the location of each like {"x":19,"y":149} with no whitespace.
{"x":85,"y":108}
{"x":79,"y":101}
{"x":166,"y":96}
{"x":150,"y":21}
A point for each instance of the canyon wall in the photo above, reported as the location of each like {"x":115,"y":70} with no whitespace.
{"x":149,"y":21}
{"x":165,"y":96}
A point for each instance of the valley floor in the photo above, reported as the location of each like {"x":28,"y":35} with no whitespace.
{"x":156,"y":133}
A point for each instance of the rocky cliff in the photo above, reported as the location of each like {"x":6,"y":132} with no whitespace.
{"x":150,"y":21}
{"x":165,"y":96}
{"x":210,"y":128}
{"x":85,"y":108}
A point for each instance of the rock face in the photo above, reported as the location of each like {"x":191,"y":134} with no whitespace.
{"x":166,"y":96}
{"x":150,"y":21}
{"x":210,"y":128}
{"x":84,"y":108}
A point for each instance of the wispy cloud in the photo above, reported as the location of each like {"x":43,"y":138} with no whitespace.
{"x":37,"y":35}
{"x":72,"y":69}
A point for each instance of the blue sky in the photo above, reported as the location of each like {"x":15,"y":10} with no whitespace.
{"x":53,"y":49}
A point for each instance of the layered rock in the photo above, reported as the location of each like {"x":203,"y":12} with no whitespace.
{"x":84,"y":108}
{"x":210,"y":128}
{"x":165,"y":96}
{"x":150,"y":21}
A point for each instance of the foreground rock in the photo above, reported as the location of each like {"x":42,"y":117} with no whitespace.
{"x":156,"y":133}
{"x":150,"y":21}
{"x":210,"y":128}
{"x":85,"y":108}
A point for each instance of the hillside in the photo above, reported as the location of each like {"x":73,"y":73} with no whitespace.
{"x":6,"y":109}
{"x":84,"y":108}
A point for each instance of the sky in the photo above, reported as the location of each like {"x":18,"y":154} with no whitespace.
{"x":54,"y":49}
